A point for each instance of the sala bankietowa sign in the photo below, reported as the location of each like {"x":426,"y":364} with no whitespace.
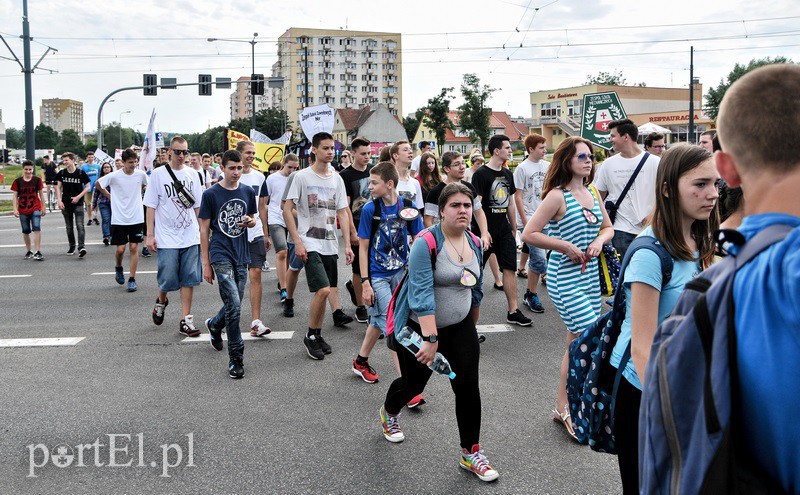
{"x":599,"y":109}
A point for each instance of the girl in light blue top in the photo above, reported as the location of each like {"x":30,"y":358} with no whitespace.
{"x":685,"y":215}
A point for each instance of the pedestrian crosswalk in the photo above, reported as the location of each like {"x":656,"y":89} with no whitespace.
{"x":41,"y":342}
{"x":205,"y":338}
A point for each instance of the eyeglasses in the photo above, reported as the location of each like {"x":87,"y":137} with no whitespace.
{"x":180,"y":152}
{"x":590,"y":216}
{"x":585,"y":156}
{"x":468,"y":278}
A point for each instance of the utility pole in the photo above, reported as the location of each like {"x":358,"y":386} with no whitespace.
{"x":691,"y":96}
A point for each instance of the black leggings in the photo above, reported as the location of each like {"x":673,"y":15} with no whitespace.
{"x":626,"y":435}
{"x":459,"y":344}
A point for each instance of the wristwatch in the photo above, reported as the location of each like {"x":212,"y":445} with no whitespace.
{"x":432,"y":338}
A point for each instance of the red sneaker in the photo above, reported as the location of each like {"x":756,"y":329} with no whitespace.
{"x":416,"y":402}
{"x":365,"y":371}
{"x":476,"y":462}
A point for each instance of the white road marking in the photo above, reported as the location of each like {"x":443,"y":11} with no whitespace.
{"x":15,"y":276}
{"x":206,"y":338}
{"x":114,"y":273}
{"x":494,"y":328}
{"x":43,"y":342}
{"x":90,"y":243}
{"x":20,"y":231}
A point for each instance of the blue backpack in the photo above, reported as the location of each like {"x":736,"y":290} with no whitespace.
{"x":688,"y":440}
{"x":590,"y":390}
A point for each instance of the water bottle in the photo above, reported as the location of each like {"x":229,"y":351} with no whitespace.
{"x":412,"y":341}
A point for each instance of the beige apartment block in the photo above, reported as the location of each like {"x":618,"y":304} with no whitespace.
{"x":62,"y":114}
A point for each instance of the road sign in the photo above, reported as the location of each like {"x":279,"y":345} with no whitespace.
{"x":599,"y":109}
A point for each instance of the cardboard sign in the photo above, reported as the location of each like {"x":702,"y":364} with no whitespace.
{"x":268,"y":153}
{"x":316,"y":119}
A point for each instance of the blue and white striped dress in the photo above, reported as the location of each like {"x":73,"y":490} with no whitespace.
{"x":576,"y":295}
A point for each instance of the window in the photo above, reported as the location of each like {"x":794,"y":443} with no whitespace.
{"x":551,"y":109}
{"x":574,"y":107}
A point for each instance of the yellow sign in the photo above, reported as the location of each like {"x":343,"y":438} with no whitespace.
{"x":234,"y":137}
{"x":265,"y":153}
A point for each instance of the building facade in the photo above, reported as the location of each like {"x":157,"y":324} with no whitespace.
{"x":373,"y":122}
{"x":62,"y":114}
{"x":556,"y":113}
{"x":242,"y":104}
{"x":345,"y":69}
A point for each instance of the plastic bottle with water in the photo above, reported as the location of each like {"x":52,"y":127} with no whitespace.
{"x":412,"y":341}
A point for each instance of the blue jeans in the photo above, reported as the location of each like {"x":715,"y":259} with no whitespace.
{"x":231,"y":281}
{"x":105,"y":214}
{"x":31,"y":222}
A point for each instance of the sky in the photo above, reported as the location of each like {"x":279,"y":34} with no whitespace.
{"x":515,"y":46}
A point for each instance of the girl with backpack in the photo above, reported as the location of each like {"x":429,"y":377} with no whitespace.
{"x":683,"y":221}
{"x":443,"y":295}
{"x":578,"y":226}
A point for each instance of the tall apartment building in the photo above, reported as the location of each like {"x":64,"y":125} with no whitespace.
{"x":346,"y":69}
{"x":242,"y":104}
{"x":62,"y":114}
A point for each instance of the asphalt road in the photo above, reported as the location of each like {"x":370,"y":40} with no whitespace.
{"x":292,"y":425}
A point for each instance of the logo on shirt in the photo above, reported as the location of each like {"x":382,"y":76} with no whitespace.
{"x":230,"y":215}
{"x":500,"y":195}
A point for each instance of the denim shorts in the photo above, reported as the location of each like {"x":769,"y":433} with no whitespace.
{"x":31,"y":222}
{"x":179,"y":267}
{"x":278,"y":235}
{"x":383,"y":288}
{"x":295,"y":264}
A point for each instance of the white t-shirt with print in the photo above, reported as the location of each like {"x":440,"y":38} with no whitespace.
{"x":254,"y":179}
{"x":529,"y":178}
{"x":415,"y":163}
{"x":175,"y":226}
{"x":612,"y":176}
{"x":126,"y":196}
{"x":317,"y":199}
{"x":410,"y":189}
{"x":276,"y":185}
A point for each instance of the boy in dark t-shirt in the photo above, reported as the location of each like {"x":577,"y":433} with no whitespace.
{"x":29,"y":207}
{"x":72,"y":184}
{"x":227,"y":209}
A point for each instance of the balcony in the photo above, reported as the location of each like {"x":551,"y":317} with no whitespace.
{"x":349,"y":48}
{"x":348,"y":69}
{"x":391,"y":72}
{"x":349,"y":58}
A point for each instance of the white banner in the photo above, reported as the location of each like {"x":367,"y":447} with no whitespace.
{"x":259,"y":137}
{"x":101,"y":157}
{"x":149,"y":147}
{"x":316,"y":119}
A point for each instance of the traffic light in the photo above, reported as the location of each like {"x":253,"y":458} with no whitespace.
{"x":5,"y":155}
{"x":150,"y":80}
{"x":257,"y":84}
{"x":205,"y":84}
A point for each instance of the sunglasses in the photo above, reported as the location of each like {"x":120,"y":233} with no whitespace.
{"x":180,"y":152}
{"x":468,"y":278}
{"x":590,"y":216}
{"x":585,"y":156}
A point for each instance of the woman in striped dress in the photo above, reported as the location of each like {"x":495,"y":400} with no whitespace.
{"x":578,"y":226}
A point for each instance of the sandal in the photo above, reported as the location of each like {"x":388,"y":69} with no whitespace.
{"x":566,"y":420}
{"x":498,"y":287}
{"x":522,"y":273}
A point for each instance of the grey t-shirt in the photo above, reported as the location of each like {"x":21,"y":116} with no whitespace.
{"x":453,"y":300}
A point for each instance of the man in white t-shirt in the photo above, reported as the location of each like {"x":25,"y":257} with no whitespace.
{"x":529,"y":180}
{"x":205,"y":177}
{"x":614,"y":174}
{"x":173,"y":230}
{"x":320,"y":197}
{"x":407,"y":187}
{"x":424,"y":147}
{"x":275,"y":186}
{"x":210,"y":171}
{"x":127,"y":214}
{"x":257,"y":236}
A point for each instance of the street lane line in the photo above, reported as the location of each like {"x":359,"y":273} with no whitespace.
{"x":494,"y":328}
{"x":114,"y":273}
{"x":90,"y":243}
{"x":43,"y":342}
{"x":205,"y":338}
{"x":15,"y":276}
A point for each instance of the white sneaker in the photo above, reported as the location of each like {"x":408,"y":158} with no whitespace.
{"x":258,"y":329}
{"x":266,"y":266}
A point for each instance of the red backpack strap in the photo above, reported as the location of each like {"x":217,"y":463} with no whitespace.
{"x":430,"y":240}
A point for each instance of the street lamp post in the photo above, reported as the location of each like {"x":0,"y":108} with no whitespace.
{"x":120,"y":127}
{"x":253,"y":71}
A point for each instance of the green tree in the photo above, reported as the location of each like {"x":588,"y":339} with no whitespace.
{"x":435,"y":116}
{"x":15,"y":138}
{"x":714,"y":95}
{"x":69,"y":141}
{"x":273,"y":122}
{"x":209,"y":141}
{"x":411,"y":123}
{"x":112,"y":139}
{"x":602,"y":77}
{"x":473,"y":114}
{"x":45,"y":136}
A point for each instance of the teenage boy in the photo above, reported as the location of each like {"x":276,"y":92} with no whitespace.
{"x":173,"y":231}
{"x":424,"y":147}
{"x":528,"y":181}
{"x":92,"y":171}
{"x":275,"y":186}
{"x":319,"y":195}
{"x":127,"y":212}
{"x":495,"y":186}
{"x":228,"y":209}
{"x":357,"y":182}
{"x":212,"y":172}
{"x":49,"y":172}
{"x":409,"y":188}
{"x":384,"y":254}
{"x":257,"y":236}
{"x":614,"y":175}
{"x":29,"y":206}
{"x":72,"y":184}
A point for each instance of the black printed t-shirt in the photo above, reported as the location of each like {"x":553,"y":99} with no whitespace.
{"x":496,"y":189}
{"x":71,"y":184}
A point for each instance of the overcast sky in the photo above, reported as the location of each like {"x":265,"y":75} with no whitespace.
{"x":562,"y":42}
